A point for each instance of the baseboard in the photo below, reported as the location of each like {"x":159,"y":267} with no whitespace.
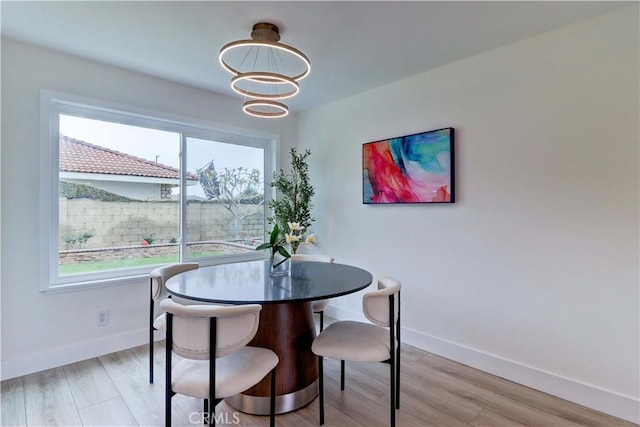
{"x":60,"y":356}
{"x":609,"y":402}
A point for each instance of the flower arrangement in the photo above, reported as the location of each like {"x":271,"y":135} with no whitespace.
{"x":278,"y":245}
{"x":292,"y":208}
{"x":278,"y":253}
{"x":295,"y":236}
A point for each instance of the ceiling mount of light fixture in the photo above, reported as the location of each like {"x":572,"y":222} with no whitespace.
{"x":265,"y":31}
{"x":264,"y":69}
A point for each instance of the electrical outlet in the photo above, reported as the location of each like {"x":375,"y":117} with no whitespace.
{"x":102,"y":319}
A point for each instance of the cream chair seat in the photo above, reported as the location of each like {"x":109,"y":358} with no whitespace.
{"x":378,"y":341}
{"x":195,"y":332}
{"x":158,"y":278}
{"x":355,"y":341}
{"x":320,"y":305}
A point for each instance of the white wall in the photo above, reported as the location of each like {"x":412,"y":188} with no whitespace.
{"x":41,"y":330}
{"x":533,"y":273}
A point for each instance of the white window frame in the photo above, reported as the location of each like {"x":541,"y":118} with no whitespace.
{"x":52,"y":104}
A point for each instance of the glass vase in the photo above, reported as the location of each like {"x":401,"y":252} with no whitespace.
{"x":280,"y":265}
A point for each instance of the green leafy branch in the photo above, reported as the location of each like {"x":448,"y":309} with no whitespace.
{"x":293,"y":202}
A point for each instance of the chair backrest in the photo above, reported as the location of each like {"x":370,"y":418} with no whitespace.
{"x":311,"y":257}
{"x":236,"y":325}
{"x":375,"y":305}
{"x":160,"y":275}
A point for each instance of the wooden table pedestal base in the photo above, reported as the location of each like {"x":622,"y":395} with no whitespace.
{"x":287,"y":329}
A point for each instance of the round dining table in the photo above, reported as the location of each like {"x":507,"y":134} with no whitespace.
{"x":286,"y":319}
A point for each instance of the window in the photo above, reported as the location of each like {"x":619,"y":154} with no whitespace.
{"x":123,"y":191}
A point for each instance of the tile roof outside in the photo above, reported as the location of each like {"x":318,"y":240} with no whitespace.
{"x":83,"y":157}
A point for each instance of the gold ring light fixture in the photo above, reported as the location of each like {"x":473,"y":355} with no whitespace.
{"x":264,"y":70}
{"x":265,"y":108}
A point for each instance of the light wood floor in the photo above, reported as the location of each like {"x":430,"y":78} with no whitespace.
{"x":113,"y":390}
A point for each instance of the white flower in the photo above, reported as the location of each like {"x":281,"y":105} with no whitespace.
{"x":291,"y":238}
{"x":311,"y":238}
{"x":295,"y":226}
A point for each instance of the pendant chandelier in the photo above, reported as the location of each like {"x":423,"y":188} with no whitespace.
{"x":265,"y":71}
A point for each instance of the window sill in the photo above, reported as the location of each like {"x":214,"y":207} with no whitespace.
{"x":95,"y":284}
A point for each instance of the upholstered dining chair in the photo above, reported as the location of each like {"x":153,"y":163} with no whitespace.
{"x":378,"y":341}
{"x":320,"y":305}
{"x":217,"y":363}
{"x":158,"y":277}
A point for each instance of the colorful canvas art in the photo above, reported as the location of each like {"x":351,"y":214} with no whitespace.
{"x":410,"y":169}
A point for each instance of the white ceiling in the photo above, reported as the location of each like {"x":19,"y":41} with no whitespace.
{"x":353,"y":46}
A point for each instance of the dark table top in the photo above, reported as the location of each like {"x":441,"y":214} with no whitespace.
{"x":250,"y":282}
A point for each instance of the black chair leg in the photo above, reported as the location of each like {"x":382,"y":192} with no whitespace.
{"x":398,"y":380}
{"x":392,"y":393}
{"x":168,"y":392}
{"x":342,"y":375}
{"x":151,"y":342}
{"x":321,"y":321}
{"x":151,"y":357}
{"x":398,"y":356}
{"x":272,"y":399}
{"x":167,"y":412}
{"x":321,"y":388}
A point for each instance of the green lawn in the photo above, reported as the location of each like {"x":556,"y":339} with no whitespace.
{"x":114,"y":264}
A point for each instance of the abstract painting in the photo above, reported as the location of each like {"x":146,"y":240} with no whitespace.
{"x":410,"y":169}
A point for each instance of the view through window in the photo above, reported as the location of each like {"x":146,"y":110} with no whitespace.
{"x":120,"y":202}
